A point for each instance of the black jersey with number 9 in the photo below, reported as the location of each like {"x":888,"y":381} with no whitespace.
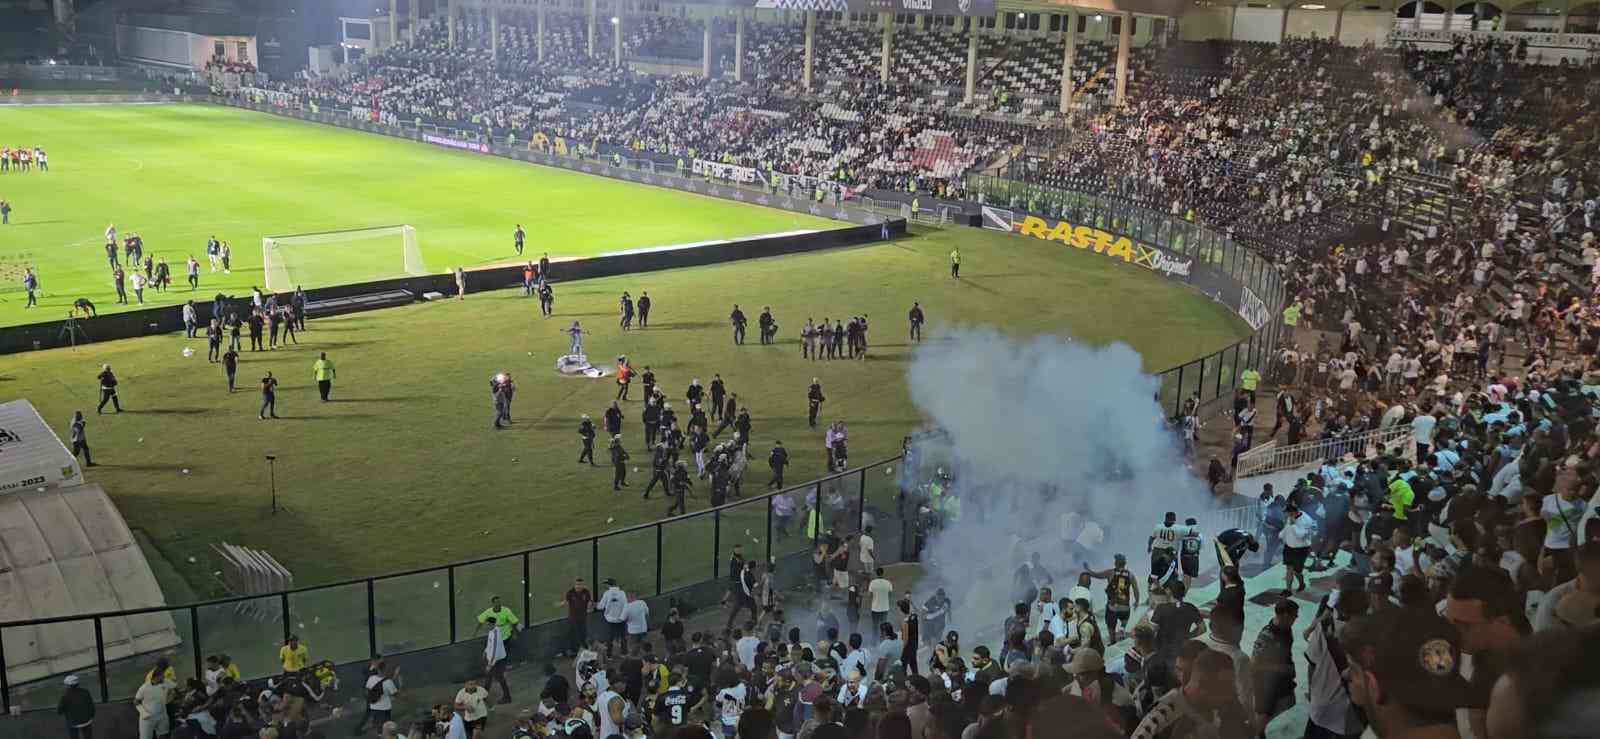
{"x":673,"y":706}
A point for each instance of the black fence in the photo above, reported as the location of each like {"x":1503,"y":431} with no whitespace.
{"x":434,"y":607}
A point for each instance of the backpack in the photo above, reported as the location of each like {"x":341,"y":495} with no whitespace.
{"x":375,"y":690}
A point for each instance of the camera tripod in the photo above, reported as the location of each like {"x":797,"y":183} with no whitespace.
{"x":72,"y":332}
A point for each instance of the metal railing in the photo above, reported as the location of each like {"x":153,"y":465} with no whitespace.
{"x":1268,"y":459}
{"x":420,"y":609}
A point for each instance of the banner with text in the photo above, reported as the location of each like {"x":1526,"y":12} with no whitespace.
{"x":730,"y":172}
{"x":979,"y":8}
{"x":1253,"y":310}
{"x":1107,"y":243}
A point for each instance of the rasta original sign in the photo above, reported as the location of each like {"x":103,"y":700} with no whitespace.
{"x":1102,"y":242}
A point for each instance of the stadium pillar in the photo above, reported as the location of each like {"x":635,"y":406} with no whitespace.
{"x":1124,"y":40}
{"x":494,"y":32}
{"x":591,"y":28}
{"x":450,"y":20}
{"x":394,"y":22}
{"x":888,"y":44}
{"x":972,"y":60}
{"x":616,"y":37}
{"x":1561,"y":25}
{"x":1338,"y":24}
{"x":1416,"y":16}
{"x":414,"y":8}
{"x":540,"y":33}
{"x":63,"y":12}
{"x":1069,"y":53}
{"x":705,"y":51}
{"x":811,"y":45}
{"x":738,"y":44}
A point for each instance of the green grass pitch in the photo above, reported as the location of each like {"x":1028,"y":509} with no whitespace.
{"x":178,"y":174}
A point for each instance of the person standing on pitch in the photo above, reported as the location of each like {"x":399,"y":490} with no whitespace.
{"x":30,"y":283}
{"x":729,"y":413}
{"x":461,"y":283}
{"x":766,"y":324}
{"x":193,"y":268}
{"x":298,"y":303}
{"x":190,"y":319}
{"x":544,"y":267}
{"x":777,"y":460}
{"x":500,"y":390}
{"x":586,"y":433}
{"x":230,"y":365}
{"x":644,"y":310}
{"x":955,"y":263}
{"x":256,"y":324}
{"x":214,"y":341}
{"x":322,"y":371}
{"x":917,"y":319}
{"x":624,"y":376}
{"x":626,"y":306}
{"x":738,"y":321}
{"x":269,"y":397}
{"x":576,"y":332}
{"x":808,"y":339}
{"x":678,"y":487}
{"x":517,"y":237}
{"x":814,"y":399}
{"x":619,"y":464}
{"x":119,"y":280}
{"x":547,"y":299}
{"x":80,"y":442}
{"x":108,"y":390}
{"x":719,"y":391}
{"x":660,"y":462}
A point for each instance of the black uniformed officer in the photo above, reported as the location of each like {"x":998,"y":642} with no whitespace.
{"x":814,"y":400}
{"x":648,"y":379}
{"x":729,"y":410}
{"x":737,"y":319}
{"x":651,"y":417}
{"x":679,"y":488}
{"x":719,"y":391}
{"x":619,"y":463}
{"x":777,"y":460}
{"x":644,"y":310}
{"x":767,"y":324}
{"x":586,"y":433}
{"x":660,"y":462}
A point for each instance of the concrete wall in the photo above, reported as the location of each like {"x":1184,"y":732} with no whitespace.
{"x":1201,"y":23}
{"x":1310,"y":23}
{"x":1365,"y":26}
{"x":1258,"y":24}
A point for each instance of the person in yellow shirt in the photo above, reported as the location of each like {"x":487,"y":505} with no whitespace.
{"x":162,"y":673}
{"x":293,"y":654}
{"x":322,"y":371}
{"x":505,"y":620}
{"x":955,"y":263}
{"x":1248,"y":380}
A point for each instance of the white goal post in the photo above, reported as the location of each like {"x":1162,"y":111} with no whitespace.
{"x":284,"y":270}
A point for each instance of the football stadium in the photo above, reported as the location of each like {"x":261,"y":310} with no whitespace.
{"x":385,"y":369}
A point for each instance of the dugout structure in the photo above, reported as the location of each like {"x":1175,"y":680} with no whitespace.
{"x":340,"y":257}
{"x":65,"y":550}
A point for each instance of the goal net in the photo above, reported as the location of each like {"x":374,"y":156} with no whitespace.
{"x":341,"y":257}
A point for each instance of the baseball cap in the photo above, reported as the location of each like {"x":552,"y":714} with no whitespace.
{"x":1417,"y":653}
{"x":1086,"y":659}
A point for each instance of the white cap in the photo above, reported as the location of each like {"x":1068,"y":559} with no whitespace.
{"x":70,"y":681}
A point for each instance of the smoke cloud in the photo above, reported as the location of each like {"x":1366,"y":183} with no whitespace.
{"x":1040,"y":436}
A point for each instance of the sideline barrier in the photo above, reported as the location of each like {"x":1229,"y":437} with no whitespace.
{"x":1273,"y":458}
{"x":169,"y":318}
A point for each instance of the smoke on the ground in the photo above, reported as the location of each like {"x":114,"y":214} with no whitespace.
{"x":1037,"y":433}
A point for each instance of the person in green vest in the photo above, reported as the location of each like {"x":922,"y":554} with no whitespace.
{"x":322,"y":371}
{"x":680,"y":166}
{"x":813,"y":522}
{"x":955,"y":263}
{"x":691,"y":152}
{"x":1248,"y":380}
{"x":616,"y":159}
{"x":1291,"y":315}
{"x":819,"y":193}
{"x":504,"y":619}
{"x":916,"y":206}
